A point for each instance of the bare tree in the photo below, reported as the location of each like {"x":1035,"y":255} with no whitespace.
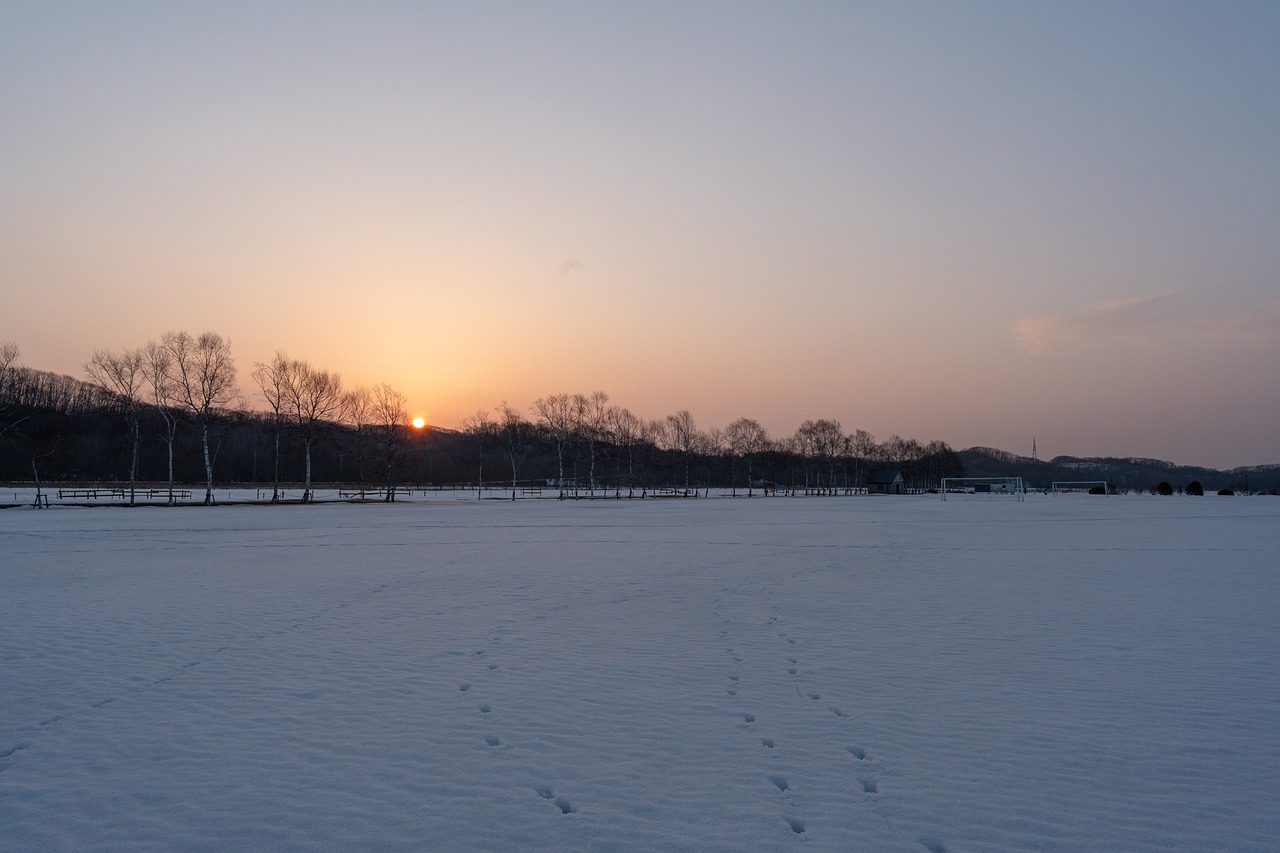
{"x":711,"y":446}
{"x":595,"y":424}
{"x":557,"y":416}
{"x":204,"y":377}
{"x":392,"y":418}
{"x":359,"y":414}
{"x":627,"y":431}
{"x":517,"y":436}
{"x":862,"y":447}
{"x":746,"y":440}
{"x":8,"y":368}
{"x":122,"y":375}
{"x":273,"y":381}
{"x":157,"y":367}
{"x":484,"y":433}
{"x":683,"y":435}
{"x":313,"y":399}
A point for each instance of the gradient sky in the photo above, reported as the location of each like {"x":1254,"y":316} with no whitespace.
{"x":982,"y":222}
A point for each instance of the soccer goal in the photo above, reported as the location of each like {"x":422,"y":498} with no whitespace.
{"x":989,"y":486}
{"x":1064,"y":486}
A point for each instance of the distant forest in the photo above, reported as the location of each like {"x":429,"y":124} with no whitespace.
{"x":170,"y":412}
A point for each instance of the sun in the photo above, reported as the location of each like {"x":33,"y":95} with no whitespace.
{"x":419,"y":422}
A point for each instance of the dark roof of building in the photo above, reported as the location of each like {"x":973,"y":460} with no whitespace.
{"x":884,"y":476}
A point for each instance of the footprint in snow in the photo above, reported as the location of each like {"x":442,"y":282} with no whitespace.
{"x":750,"y":718}
{"x":838,"y":712}
{"x":484,"y":709}
{"x":815,"y":696}
{"x":857,"y":752}
{"x":780,"y":782}
{"x":796,"y":826}
{"x":464,"y":686}
{"x":493,"y":740}
{"x":768,"y":742}
{"x":869,"y":786}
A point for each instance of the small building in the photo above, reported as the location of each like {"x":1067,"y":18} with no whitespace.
{"x":886,"y":481}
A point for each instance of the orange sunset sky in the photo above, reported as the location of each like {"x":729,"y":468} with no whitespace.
{"x":980,"y":222}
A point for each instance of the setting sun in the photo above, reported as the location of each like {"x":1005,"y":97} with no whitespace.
{"x":419,"y":422}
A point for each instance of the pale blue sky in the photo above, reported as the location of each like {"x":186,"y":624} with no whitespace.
{"x":980,"y":222}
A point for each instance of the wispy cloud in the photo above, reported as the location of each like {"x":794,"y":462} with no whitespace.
{"x":1151,"y":320}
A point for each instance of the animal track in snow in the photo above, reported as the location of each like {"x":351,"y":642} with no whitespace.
{"x":869,"y":786}
{"x":780,"y":782}
{"x":791,"y":670}
{"x":486,"y":708}
{"x":733,"y":678}
{"x":857,"y":752}
{"x":545,"y":792}
{"x":493,"y":740}
{"x":838,"y":712}
{"x":815,"y":696}
{"x":564,"y":805}
{"x":464,"y":686}
{"x":768,"y":741}
{"x":750,"y":718}
{"x":18,"y":748}
{"x":796,"y":826}
{"x":492,"y":667}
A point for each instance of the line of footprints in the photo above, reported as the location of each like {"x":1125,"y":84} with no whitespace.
{"x":865,"y":780}
{"x":546,"y":791}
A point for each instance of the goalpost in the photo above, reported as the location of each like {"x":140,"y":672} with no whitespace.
{"x":989,"y":486}
{"x":1074,"y":485}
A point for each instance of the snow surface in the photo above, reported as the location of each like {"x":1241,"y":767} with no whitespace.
{"x":1070,"y":673}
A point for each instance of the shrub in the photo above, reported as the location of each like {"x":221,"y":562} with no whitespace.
{"x":1194,"y":488}
{"x":1164,"y":489}
{"x":1225,"y":492}
{"x":1097,"y":490}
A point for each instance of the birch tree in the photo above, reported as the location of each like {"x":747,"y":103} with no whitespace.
{"x":746,"y":439}
{"x":122,"y":375}
{"x":358,"y":407}
{"x":595,"y":423}
{"x":204,"y":381}
{"x":272,"y":379}
{"x":683,"y":435}
{"x":313,"y":399}
{"x":555,"y":414}
{"x":517,"y":437}
{"x":626,"y":431}
{"x":483,"y":432}
{"x":157,"y":366}
{"x":392,"y":418}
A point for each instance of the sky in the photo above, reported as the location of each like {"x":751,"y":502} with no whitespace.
{"x":980,"y":222}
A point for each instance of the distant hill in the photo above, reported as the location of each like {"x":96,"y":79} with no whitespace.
{"x":1121,"y":472}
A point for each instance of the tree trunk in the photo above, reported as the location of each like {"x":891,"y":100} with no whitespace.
{"x":306,"y":486}
{"x":133,"y":463}
{"x":208,"y":464}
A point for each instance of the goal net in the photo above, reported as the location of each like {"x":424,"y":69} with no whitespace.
{"x":988,"y":486}
{"x":1086,"y":486}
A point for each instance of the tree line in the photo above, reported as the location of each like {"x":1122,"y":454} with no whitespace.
{"x":170,"y":411}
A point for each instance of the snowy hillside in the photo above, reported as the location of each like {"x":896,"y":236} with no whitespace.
{"x":1061,"y":674}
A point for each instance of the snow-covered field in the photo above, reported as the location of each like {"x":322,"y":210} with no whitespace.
{"x":1071,"y":673}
